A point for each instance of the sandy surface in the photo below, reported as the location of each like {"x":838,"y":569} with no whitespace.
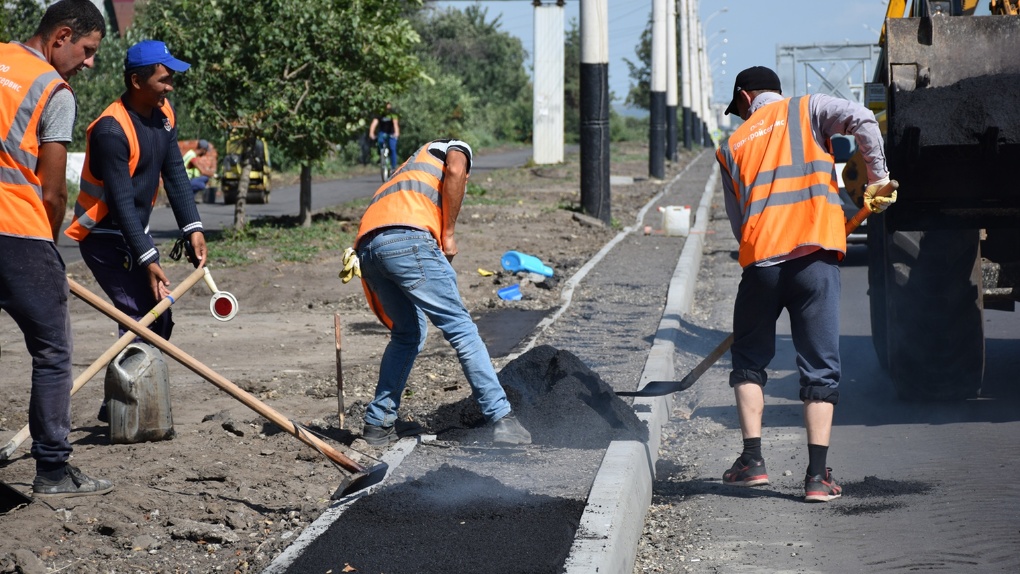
{"x":231,"y":490}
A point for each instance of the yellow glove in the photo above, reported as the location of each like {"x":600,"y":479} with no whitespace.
{"x":879,"y":203}
{"x":351,"y":266}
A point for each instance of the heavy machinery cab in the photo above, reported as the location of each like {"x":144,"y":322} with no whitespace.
{"x":238,"y":149}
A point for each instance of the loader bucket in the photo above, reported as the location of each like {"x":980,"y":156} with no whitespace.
{"x":954,"y":121}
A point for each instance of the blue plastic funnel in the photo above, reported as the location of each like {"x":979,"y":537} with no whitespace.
{"x":514,"y":261}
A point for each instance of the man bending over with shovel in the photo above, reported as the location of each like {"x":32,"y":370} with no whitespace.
{"x":783,"y":204}
{"x":404,"y":248}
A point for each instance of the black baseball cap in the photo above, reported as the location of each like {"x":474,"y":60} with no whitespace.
{"x":754,"y":78}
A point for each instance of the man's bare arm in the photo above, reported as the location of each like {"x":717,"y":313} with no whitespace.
{"x":52,"y":171}
{"x":454,"y":186}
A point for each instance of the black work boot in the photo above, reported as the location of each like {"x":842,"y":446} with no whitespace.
{"x":74,"y":483}
{"x":508,"y":430}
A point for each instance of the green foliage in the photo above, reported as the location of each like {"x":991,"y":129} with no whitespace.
{"x":98,"y":87}
{"x":481,"y":68}
{"x":437,"y":106}
{"x":19,"y":19}
{"x":572,"y":84}
{"x":627,"y":128}
{"x":303,"y":74}
{"x":277,"y":241}
{"x":474,"y":190}
{"x":640,"y":91}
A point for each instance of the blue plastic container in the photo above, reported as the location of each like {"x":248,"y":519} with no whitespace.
{"x":514,"y":261}
{"x":511,"y":293}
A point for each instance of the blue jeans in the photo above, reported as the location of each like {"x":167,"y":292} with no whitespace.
{"x":385,"y":139}
{"x":413,"y":280}
{"x":34,"y":292}
{"x":199,"y":183}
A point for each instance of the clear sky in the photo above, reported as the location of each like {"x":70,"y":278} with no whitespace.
{"x":751,"y":29}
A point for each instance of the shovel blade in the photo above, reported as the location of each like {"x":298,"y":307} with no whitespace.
{"x":360,"y":481}
{"x":12,"y":498}
{"x":658,"y":388}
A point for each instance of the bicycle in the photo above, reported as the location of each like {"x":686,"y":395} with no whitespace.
{"x":383,"y":144}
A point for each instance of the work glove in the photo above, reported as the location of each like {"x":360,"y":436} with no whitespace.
{"x":875,"y":202}
{"x":351,"y":266}
{"x":183,"y":246}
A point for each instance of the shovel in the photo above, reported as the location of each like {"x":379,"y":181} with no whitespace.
{"x":661,"y":388}
{"x":360,"y":477}
{"x":110,"y":353}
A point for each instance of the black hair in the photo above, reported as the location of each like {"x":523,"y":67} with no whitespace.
{"x":143,"y":73}
{"x":81,"y":16}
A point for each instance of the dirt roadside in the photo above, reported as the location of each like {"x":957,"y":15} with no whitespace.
{"x":231,"y":491}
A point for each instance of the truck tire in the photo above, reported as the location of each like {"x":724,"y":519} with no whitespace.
{"x":934,"y":334}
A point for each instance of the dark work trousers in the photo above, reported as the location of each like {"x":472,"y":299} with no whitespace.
{"x":33,"y":291}
{"x":808,"y":288}
{"x":124,"y":281}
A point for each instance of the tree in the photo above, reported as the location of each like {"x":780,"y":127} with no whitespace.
{"x":489,"y":64}
{"x":572,"y":84}
{"x":640,"y":93}
{"x":302,"y":74}
{"x":19,"y":19}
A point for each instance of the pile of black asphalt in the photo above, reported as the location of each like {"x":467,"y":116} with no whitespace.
{"x":460,"y":504}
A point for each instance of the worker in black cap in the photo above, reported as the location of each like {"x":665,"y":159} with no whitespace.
{"x":783,"y":203}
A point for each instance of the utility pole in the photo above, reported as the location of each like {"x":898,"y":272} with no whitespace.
{"x":657,"y":105}
{"x":694,"y":29}
{"x":547,"y":114}
{"x":685,"y":71}
{"x":595,"y":109}
{"x":671,"y":81}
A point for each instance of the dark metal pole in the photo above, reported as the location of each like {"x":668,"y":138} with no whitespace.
{"x":595,"y":198}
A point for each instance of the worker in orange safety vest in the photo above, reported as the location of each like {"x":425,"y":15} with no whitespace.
{"x":37,"y":115}
{"x":783,"y":203}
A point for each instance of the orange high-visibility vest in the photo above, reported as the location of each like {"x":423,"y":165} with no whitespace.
{"x":26,"y":84}
{"x":91,"y":206}
{"x":410,"y":198}
{"x":785,"y":184}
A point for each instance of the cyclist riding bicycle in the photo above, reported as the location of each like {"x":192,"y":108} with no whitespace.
{"x":385,"y":130}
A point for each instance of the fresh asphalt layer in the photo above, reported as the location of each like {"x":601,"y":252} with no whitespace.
{"x":605,"y":320}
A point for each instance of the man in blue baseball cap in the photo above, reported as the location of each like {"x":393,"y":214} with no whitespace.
{"x":128,"y":149}
{"x":149,"y":52}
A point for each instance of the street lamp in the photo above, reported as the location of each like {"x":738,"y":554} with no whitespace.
{"x":713,"y":15}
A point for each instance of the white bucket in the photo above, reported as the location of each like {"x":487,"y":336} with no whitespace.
{"x":676,"y":220}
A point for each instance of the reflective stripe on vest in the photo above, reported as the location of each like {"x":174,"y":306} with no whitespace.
{"x":26,"y":84}
{"x":91,"y":207}
{"x":785,"y":184}
{"x":410,"y":198}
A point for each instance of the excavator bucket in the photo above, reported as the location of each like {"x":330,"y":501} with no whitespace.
{"x":952,"y":85}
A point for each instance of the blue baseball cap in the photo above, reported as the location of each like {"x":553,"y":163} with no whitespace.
{"x":148,"y":52}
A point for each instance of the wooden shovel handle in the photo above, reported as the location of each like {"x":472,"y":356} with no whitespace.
{"x":215,"y":378}
{"x":104,"y":359}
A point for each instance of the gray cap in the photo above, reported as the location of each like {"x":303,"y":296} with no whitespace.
{"x":202,"y":144}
